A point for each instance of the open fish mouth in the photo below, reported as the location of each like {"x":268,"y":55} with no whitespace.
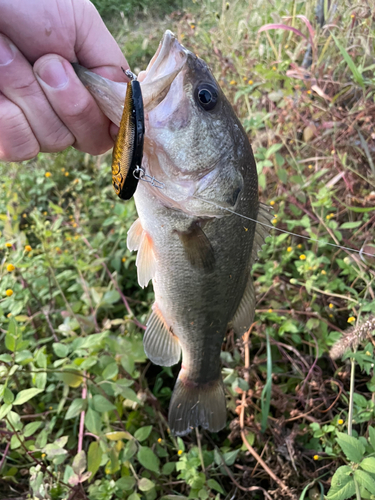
{"x":163,"y":68}
{"x":155,"y":81}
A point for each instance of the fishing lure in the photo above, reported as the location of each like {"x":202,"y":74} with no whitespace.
{"x":128,"y":149}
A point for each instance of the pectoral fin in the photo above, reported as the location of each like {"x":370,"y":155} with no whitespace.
{"x":197,"y":246}
{"x":160,"y":345}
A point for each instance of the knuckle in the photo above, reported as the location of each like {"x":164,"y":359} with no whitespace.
{"x":17,"y":142}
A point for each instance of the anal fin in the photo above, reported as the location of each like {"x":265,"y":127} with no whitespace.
{"x":160,"y":345}
{"x":197,"y":246}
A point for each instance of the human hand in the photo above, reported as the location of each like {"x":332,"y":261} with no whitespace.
{"x":45,"y":107}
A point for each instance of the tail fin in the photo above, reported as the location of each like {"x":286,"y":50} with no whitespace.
{"x":197,"y":404}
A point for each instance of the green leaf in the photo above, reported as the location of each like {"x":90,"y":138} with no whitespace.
{"x":75,"y":408}
{"x":145,"y":484}
{"x":126,"y":483}
{"x":94,"y":458}
{"x":214,"y":485}
{"x":368,"y":464}
{"x":342,"y":484}
{"x":117,"y":435}
{"x":349,"y":61}
{"x":110,"y":371}
{"x":351,"y":225}
{"x":110,"y":297}
{"x":148,"y":459}
{"x":371,"y":432}
{"x":130,"y":450}
{"x":143,"y":432}
{"x":93,"y":422}
{"x":31,"y":428}
{"x":61,"y":350}
{"x":79,"y":463}
{"x":134,"y":496}
{"x":364,"y":479}
{"x":101,"y":404}
{"x":8,"y":396}
{"x":351,"y":446}
{"x":26,"y":395}
{"x":168,"y":468}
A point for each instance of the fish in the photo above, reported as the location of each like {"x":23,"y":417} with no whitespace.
{"x":188,"y":238}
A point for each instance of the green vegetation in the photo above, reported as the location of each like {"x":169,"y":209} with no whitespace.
{"x":83,"y":412}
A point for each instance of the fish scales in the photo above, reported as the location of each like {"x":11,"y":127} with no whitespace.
{"x":198,"y":255}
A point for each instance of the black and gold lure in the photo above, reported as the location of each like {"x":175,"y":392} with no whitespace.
{"x":128,"y":149}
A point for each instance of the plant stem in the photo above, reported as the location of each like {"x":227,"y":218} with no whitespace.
{"x":357,"y":492}
{"x":351,"y":393}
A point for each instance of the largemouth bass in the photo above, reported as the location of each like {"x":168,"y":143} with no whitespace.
{"x":197,"y":253}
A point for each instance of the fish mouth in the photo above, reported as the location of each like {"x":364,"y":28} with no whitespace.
{"x":161,"y":71}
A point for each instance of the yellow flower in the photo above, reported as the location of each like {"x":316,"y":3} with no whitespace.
{"x":270,"y":310}
{"x":123,"y":259}
{"x":160,"y":440}
{"x":330,"y":315}
{"x":24,"y":216}
{"x":45,"y":213}
{"x":291,"y":141}
{"x":274,"y":68}
{"x":8,"y":245}
{"x":331,"y":306}
{"x":51,"y":407}
{"x":333,"y":152}
{"x":9,"y":292}
{"x":274,"y":221}
{"x":299,"y":246}
{"x":28,"y":248}
{"x":351,"y":319}
{"x":43,"y":455}
{"x":233,"y":82}
{"x":352,"y":16}
{"x":192,"y":26}
{"x":309,"y":92}
{"x":340,"y":421}
{"x":74,"y":224}
{"x":63,"y":169}
{"x":180,"y":452}
{"x":250,"y":82}
{"x":316,"y":457}
{"x":311,"y":166}
{"x":9,"y":315}
{"x":57,"y":249}
{"x":302,"y":257}
{"x":289,"y":249}
{"x":48,"y":174}
{"x":272,"y":202}
{"x":10,"y":268}
{"x":66,"y":174}
{"x":76,"y":181}
{"x":323,"y":271}
{"x":286,"y":46}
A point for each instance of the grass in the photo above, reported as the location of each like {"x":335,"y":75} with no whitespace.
{"x":78,"y":394}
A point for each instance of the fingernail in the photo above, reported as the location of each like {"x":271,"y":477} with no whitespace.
{"x":6,"y":52}
{"x":53,"y":73}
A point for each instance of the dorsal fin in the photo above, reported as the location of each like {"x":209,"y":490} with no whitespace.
{"x":261,"y":232}
{"x":160,"y":344}
{"x":244,"y":315}
{"x":139,"y":239}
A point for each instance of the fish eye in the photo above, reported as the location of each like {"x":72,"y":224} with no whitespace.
{"x":207,"y":96}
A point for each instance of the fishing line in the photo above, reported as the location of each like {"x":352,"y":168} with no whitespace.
{"x":160,"y":185}
{"x":360,"y":252}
